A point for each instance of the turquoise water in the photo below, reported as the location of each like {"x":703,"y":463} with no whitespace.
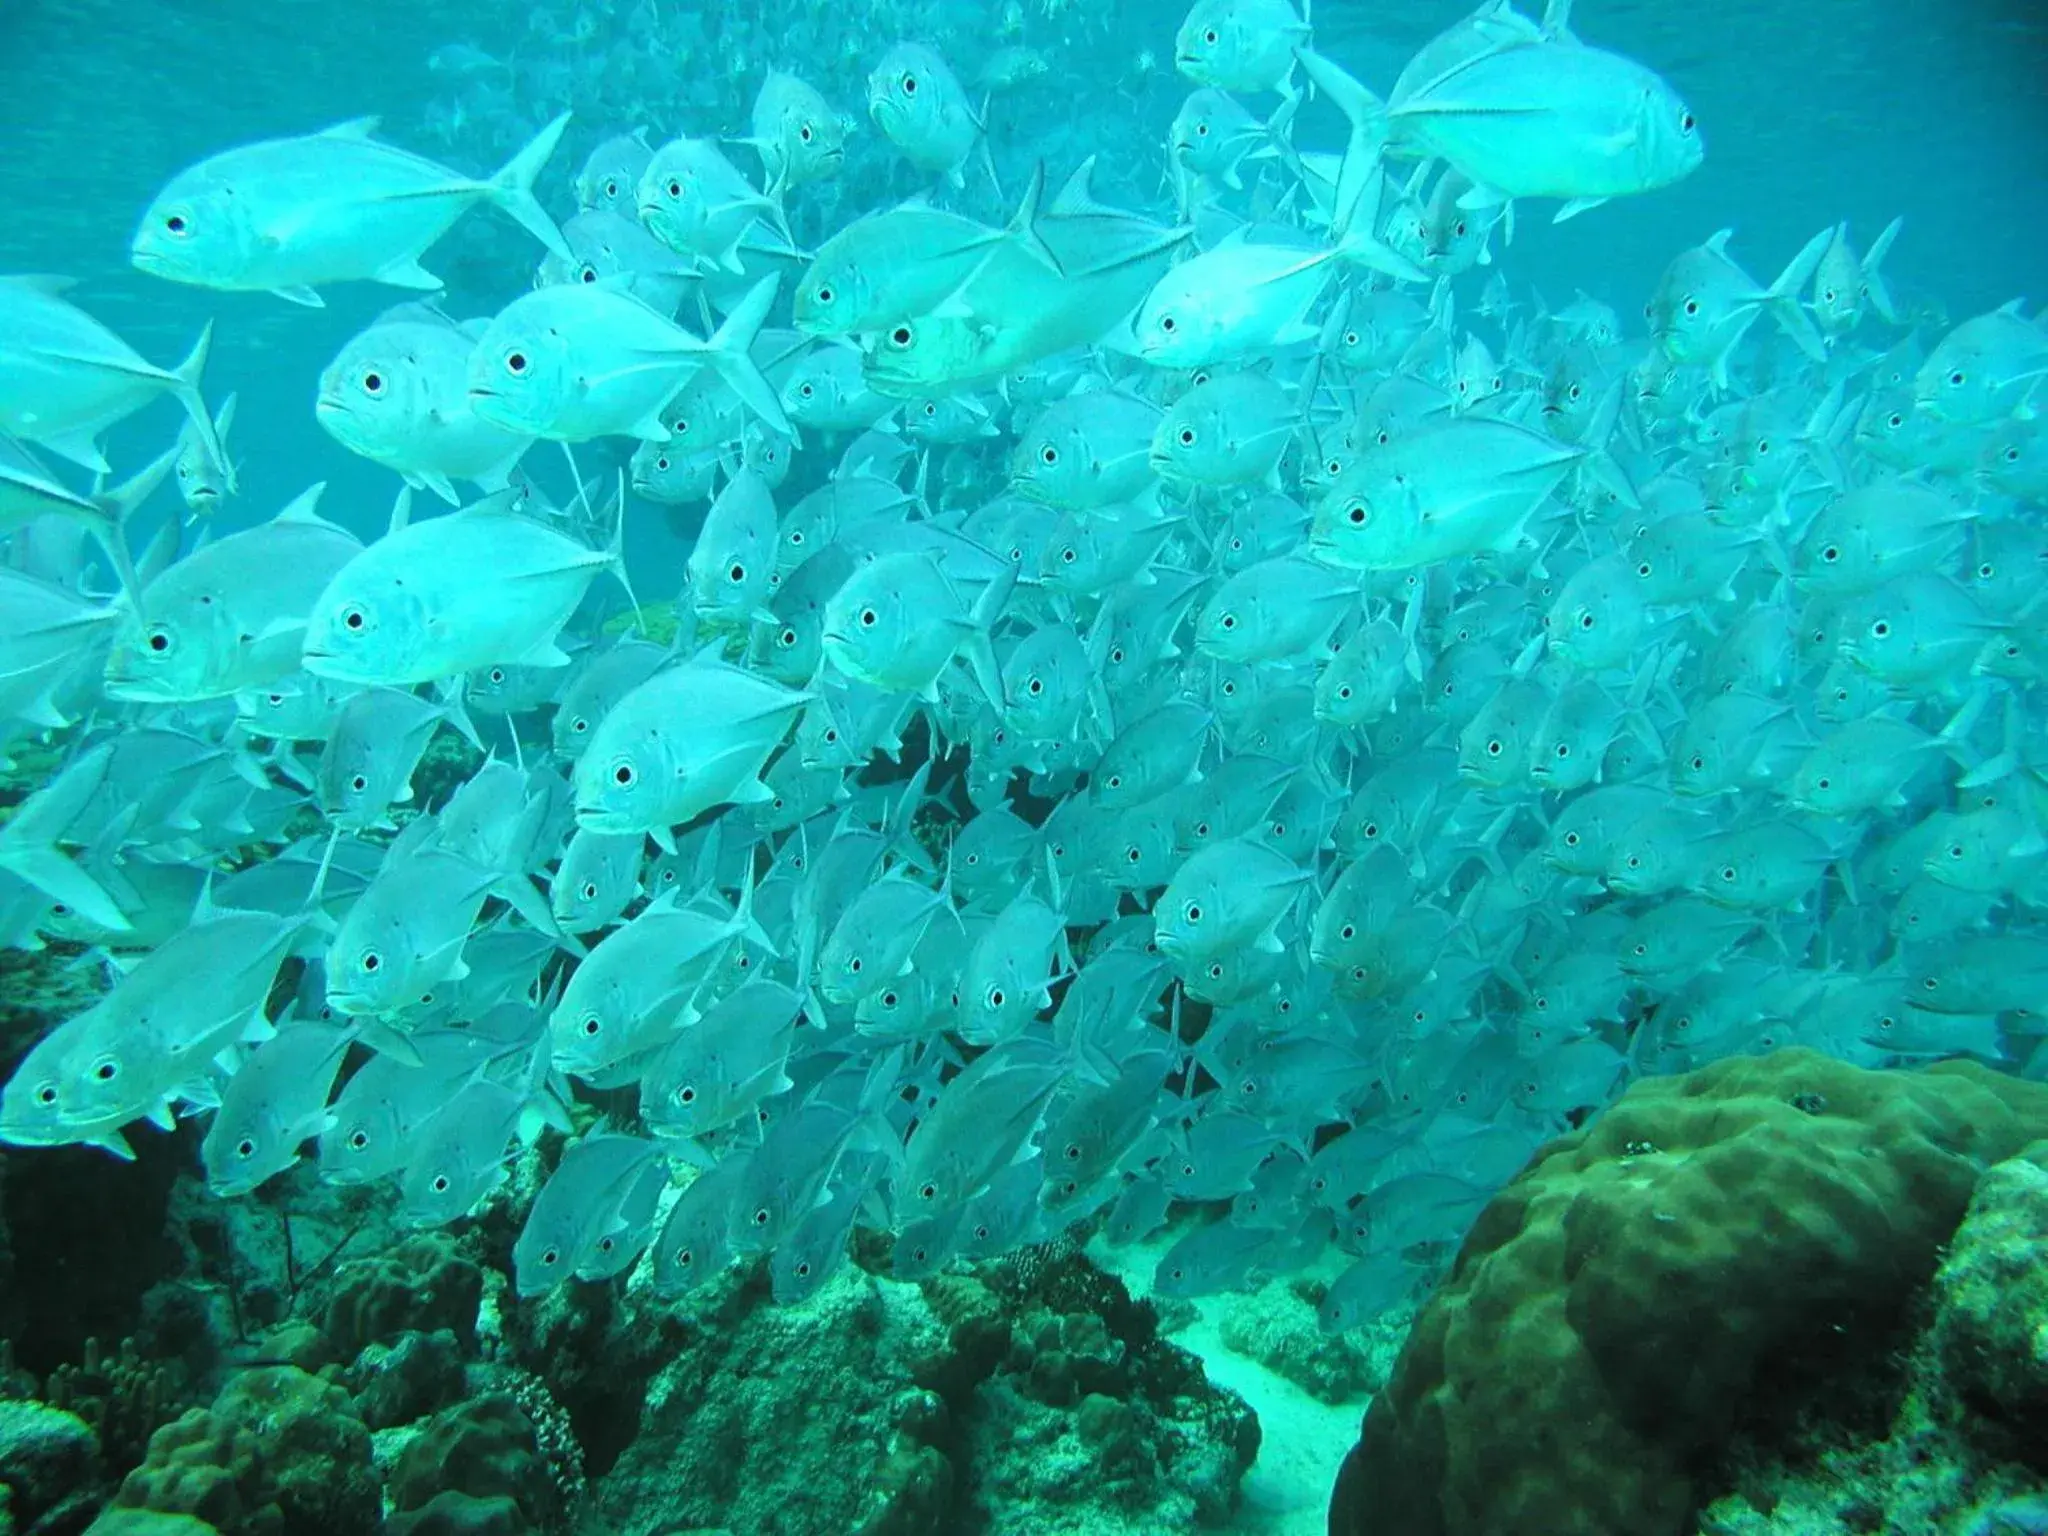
{"x":910,"y":1316}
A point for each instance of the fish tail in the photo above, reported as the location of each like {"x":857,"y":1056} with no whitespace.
{"x":1367,"y":113}
{"x":728,"y":348}
{"x":186,"y":387}
{"x":119,"y":505}
{"x":1873,"y":282}
{"x":1782,"y":299}
{"x":512,"y":188}
{"x":39,"y":862}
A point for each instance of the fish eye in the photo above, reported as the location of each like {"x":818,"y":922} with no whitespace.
{"x":176,"y":224}
{"x":623,"y":775}
{"x":1692,"y":306}
{"x":1823,"y":783}
{"x":1895,"y":421}
{"x":515,"y":362}
{"x":550,"y":1257}
{"x":358,"y":1140}
{"x":825,"y":294}
{"x":611,"y":188}
{"x":586,"y":273}
{"x":867,"y":618}
{"x":1643,"y":570}
{"x":1957,"y":379}
{"x":371,"y":961}
{"x":46,"y":1095}
{"x":787,"y":639}
{"x":159,"y":640}
{"x":737,"y":574}
{"x":1493,"y":748}
{"x":661,"y":464}
{"x":579,"y":725}
{"x":675,"y":189}
{"x":373,"y":383}
{"x":592,"y":1025}
{"x":1827,"y":296}
{"x":353,"y":618}
{"x":1571,"y":839}
{"x":1728,"y":874}
{"x":1201,"y":130}
{"x":805,"y":391}
{"x":1585,"y":621}
{"x":1880,"y":630}
{"x":1192,"y":912}
{"x":1187,"y":437}
{"x":1049,"y":454}
{"x":359,"y":783}
{"x":804,"y":132}
{"x":1831,"y":554}
{"x":589,"y":892}
{"x":1208,"y":37}
{"x":1167,"y":323}
{"x":995,"y":997}
{"x":1228,"y":621}
{"x":497,"y":674}
{"x":910,"y":85}
{"x":900,"y":336}
{"x":1068,"y":555}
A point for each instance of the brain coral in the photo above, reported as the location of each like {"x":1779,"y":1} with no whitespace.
{"x":1713,"y":1240}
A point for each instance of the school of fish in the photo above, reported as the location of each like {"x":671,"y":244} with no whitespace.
{"x":1227,"y":706}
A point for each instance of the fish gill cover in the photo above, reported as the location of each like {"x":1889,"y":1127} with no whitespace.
{"x":881,"y":639}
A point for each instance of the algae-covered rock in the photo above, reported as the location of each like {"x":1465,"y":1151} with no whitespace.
{"x":421,"y":1285}
{"x":1715,"y":1241}
{"x":486,"y":1448}
{"x":278,"y":1451}
{"x":460,"y":1514}
{"x":49,"y":1467}
{"x":786,"y":1419}
{"x":148,"y":1522}
{"x":1991,"y":1328}
{"x":1277,"y":1326}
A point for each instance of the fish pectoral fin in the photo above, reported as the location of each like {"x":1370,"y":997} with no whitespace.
{"x":1570,"y":210}
{"x":301,"y":294}
{"x":79,"y":448}
{"x":439,"y":484}
{"x":406,"y":272}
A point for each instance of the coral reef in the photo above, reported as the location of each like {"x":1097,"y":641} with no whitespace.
{"x":278,"y":1451}
{"x":422,"y":1284}
{"x":1723,"y":1240}
{"x":1276,"y":1325}
{"x":487,"y":1449}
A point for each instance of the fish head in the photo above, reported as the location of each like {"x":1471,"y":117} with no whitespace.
{"x":241,"y":1150}
{"x":928,"y":354}
{"x":373,"y":398}
{"x":196,"y":231}
{"x":521,"y":376}
{"x":610,"y":177}
{"x":670,"y":198}
{"x":371,"y":966}
{"x":866,"y":621}
{"x":623,"y":776}
{"x":908,"y":92}
{"x":835,"y":292}
{"x":37,"y":1099}
{"x":1668,"y":144}
{"x":1953,"y":384}
{"x":169,"y":655}
{"x":366,"y":631}
{"x":1204,"y":46}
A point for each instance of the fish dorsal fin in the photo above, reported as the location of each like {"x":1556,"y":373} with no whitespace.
{"x":1077,"y":196}
{"x":304,"y":508}
{"x":1717,"y":242}
{"x":503,"y":503}
{"x":356,"y":128}
{"x":51,"y":284}
{"x":401,"y":511}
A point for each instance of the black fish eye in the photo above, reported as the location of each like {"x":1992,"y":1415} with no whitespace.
{"x":867,"y":618}
{"x":910,"y":85}
{"x":106,"y":1071}
{"x":737,"y":574}
{"x":611,"y":189}
{"x":675,"y":189}
{"x":901,"y":335}
{"x":1692,"y":306}
{"x":806,"y":390}
{"x":46,"y":1095}
{"x":515,"y":362}
{"x":1209,"y":37}
{"x":353,"y":618}
{"x":1202,"y":130}
{"x":592,"y":1024}
{"x":159,"y":640}
{"x":497,"y":674}
{"x":175,"y":224}
{"x":550,"y":1257}
{"x":623,"y":775}
{"x":359,"y":783}
{"x":373,"y":383}
{"x":1187,"y":437}
{"x":245,"y":1148}
{"x":358,"y":1140}
{"x":440,"y":1183}
{"x":1166,"y":323}
{"x":372,"y":961}
{"x":1685,"y":123}
{"x":804,"y":132}
{"x":590,"y":890}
